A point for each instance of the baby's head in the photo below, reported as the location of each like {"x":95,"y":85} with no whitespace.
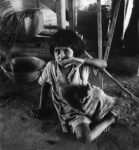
{"x":75,"y":94}
{"x":67,"y":44}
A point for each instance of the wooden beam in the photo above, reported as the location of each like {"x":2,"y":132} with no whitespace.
{"x":72,"y":14}
{"x":112,"y":29}
{"x":37,"y":4}
{"x":99,"y":28}
{"x":116,"y":82}
{"x":61,"y":14}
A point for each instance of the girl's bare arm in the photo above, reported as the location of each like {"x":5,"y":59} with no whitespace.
{"x":86,"y":61}
{"x":95,"y":62}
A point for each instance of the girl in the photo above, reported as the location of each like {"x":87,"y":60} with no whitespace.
{"x":67,"y":74}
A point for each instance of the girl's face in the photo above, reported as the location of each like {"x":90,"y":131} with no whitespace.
{"x":62,"y":53}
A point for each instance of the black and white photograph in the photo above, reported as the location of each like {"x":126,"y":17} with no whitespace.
{"x":69,"y":75}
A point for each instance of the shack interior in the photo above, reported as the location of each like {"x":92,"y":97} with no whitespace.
{"x":110,"y":31}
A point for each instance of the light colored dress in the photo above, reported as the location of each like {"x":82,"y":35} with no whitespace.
{"x":68,"y":116}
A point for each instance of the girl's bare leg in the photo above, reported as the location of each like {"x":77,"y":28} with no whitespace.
{"x":84,"y":133}
{"x":99,"y":128}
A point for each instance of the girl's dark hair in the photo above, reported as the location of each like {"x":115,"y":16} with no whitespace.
{"x":67,"y":38}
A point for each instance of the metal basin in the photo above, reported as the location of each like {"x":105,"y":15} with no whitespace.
{"x":26,"y":69}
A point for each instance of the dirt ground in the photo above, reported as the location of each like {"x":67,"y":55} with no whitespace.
{"x":19,"y":131}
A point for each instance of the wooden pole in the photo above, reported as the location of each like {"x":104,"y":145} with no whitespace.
{"x":37,"y":4}
{"x":61,"y":14}
{"x":99,"y":28}
{"x":75,"y":15}
{"x":112,"y":28}
{"x":115,"y":81}
{"x":72,"y":14}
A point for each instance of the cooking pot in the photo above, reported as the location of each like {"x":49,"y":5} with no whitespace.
{"x":25,"y":69}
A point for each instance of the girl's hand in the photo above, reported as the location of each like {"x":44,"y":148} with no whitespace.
{"x":72,"y":61}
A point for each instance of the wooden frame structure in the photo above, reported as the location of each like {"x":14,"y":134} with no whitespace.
{"x":73,"y":25}
{"x":99,"y":28}
{"x":61,"y":14}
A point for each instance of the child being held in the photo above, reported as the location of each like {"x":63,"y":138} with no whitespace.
{"x":78,"y":95}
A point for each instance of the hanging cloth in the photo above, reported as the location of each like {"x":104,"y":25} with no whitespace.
{"x":9,"y":28}
{"x":128,"y":6}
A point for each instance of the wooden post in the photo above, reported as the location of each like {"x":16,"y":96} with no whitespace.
{"x":116,"y":82}
{"x":112,"y":28}
{"x":37,"y":4}
{"x":99,"y":28}
{"x":61,"y":14}
{"x":75,"y":14}
{"x":72,"y":14}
